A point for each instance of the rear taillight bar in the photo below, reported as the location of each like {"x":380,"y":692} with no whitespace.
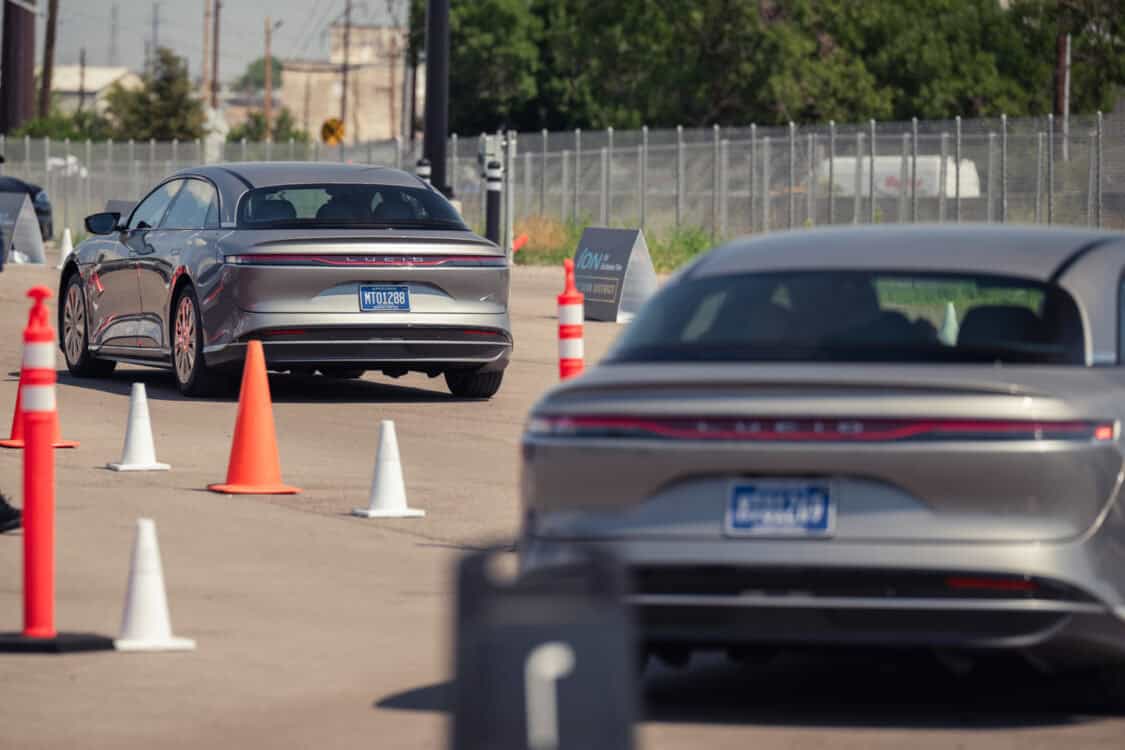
{"x":817,"y":430}
{"x":367,"y":261}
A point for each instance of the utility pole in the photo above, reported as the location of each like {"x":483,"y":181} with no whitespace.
{"x":205,"y":77}
{"x":155,"y":32}
{"x":437,"y":90}
{"x":17,"y":66}
{"x":81,"y":78}
{"x":344,"y":68}
{"x":215,"y":56}
{"x":267,"y":103}
{"x":112,"y":35}
{"x":48,"y":57}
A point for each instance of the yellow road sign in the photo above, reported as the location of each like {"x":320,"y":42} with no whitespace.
{"x":332,"y":131}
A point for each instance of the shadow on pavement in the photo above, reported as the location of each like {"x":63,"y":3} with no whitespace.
{"x":160,"y":386}
{"x":842,"y":690}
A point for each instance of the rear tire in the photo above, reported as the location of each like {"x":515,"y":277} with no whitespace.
{"x":193,"y":376}
{"x":79,"y":360}
{"x":474,"y":384}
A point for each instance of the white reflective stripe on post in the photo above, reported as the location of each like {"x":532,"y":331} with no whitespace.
{"x":571,"y":349}
{"x":38,"y":398}
{"x":39,"y":355}
{"x":571,"y":315}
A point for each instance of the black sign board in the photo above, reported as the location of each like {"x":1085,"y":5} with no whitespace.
{"x":613,"y":269}
{"x":544,"y":663}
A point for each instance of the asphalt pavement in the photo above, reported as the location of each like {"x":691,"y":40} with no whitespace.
{"x":319,"y":629}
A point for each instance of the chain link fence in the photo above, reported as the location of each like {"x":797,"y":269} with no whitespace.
{"x":724,"y":180}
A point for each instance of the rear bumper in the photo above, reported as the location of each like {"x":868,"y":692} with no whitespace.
{"x":1067,"y":622}
{"x":481,"y":342}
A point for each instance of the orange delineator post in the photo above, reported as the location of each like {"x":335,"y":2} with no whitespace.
{"x":254,"y":467}
{"x":40,"y":421}
{"x":571,"y":319}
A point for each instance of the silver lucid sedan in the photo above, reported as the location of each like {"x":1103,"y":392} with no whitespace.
{"x":889,"y":436}
{"x":336,"y":268}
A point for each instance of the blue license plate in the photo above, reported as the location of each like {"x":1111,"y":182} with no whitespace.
{"x":384,"y":299}
{"x":780,"y":508}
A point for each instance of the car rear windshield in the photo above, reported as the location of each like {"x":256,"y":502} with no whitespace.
{"x":856,"y":316}
{"x":346,"y":206}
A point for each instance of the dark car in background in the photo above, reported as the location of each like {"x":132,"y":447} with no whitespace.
{"x":39,"y":201}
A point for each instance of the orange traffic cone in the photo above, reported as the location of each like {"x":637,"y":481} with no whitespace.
{"x":16,"y":439}
{"x":254,"y":468}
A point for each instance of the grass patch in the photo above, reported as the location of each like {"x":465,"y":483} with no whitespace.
{"x":550,"y":241}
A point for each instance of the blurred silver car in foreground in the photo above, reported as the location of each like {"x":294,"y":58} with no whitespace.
{"x":904,"y":436}
{"x":336,"y":267}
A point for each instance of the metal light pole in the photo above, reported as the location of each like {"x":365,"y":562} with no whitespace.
{"x":437,"y":90}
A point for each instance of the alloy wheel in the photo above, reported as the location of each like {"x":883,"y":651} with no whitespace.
{"x":185,"y":339}
{"x":74,"y":324}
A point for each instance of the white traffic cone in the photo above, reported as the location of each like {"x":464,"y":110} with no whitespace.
{"x":949,"y":328}
{"x":388,"y":492}
{"x":66,"y":248}
{"x":145,"y":625}
{"x":139,"y":453}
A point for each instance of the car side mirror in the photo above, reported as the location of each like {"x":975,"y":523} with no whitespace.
{"x":103,"y":223}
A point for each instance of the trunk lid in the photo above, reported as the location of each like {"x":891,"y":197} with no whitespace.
{"x":910,"y":452}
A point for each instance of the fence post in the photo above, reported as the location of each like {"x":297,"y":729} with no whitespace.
{"x":27,"y":156}
{"x":715,"y":176}
{"x":766,"y":184}
{"x":292,"y":148}
{"x":857,"y":178}
{"x":792,"y":169}
{"x":242,"y":152}
{"x":577,"y":202}
{"x":451,"y":177}
{"x":957,"y":169}
{"x":542,"y":173}
{"x":871,"y":176}
{"x":1050,"y":169}
{"x":903,"y":176}
{"x":750,"y":184}
{"x":1003,"y":169}
{"x":108,"y":160}
{"x":992,"y":176}
{"x":1039,"y":177}
{"x":603,"y":209}
{"x":483,"y":187}
{"x":510,"y":194}
{"x":679,"y":175}
{"x":47,"y":166}
{"x":565,"y":190}
{"x":914,"y":170}
{"x":724,"y":153}
{"x":1091,"y":169}
{"x":643,"y":207}
{"x":1098,"y":176}
{"x":176,"y":152}
{"x":832,"y":172}
{"x":609,"y":174}
{"x":810,"y":190}
{"x":943,"y":177}
{"x":87,"y":196}
{"x":527,"y":185}
{"x":133,"y":170}
{"x":66,"y":182}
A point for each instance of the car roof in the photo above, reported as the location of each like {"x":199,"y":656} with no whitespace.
{"x":1035,"y":252}
{"x":274,"y":173}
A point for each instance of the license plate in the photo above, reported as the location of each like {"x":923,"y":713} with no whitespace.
{"x":780,"y":508}
{"x":384,"y":298}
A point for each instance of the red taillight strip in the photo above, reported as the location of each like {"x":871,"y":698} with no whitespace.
{"x":368,"y":261}
{"x":824,"y":430}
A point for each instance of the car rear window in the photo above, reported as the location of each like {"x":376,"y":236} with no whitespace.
{"x":856,"y":316}
{"x":346,"y":206}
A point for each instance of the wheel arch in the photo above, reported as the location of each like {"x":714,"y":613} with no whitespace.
{"x":180,"y":279}
{"x":70,"y":269}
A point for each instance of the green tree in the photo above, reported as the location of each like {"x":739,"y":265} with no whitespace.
{"x":284,"y":127}
{"x":254,"y":78}
{"x":164,"y":107}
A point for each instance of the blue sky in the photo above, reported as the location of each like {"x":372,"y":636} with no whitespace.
{"x":302,"y":34}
